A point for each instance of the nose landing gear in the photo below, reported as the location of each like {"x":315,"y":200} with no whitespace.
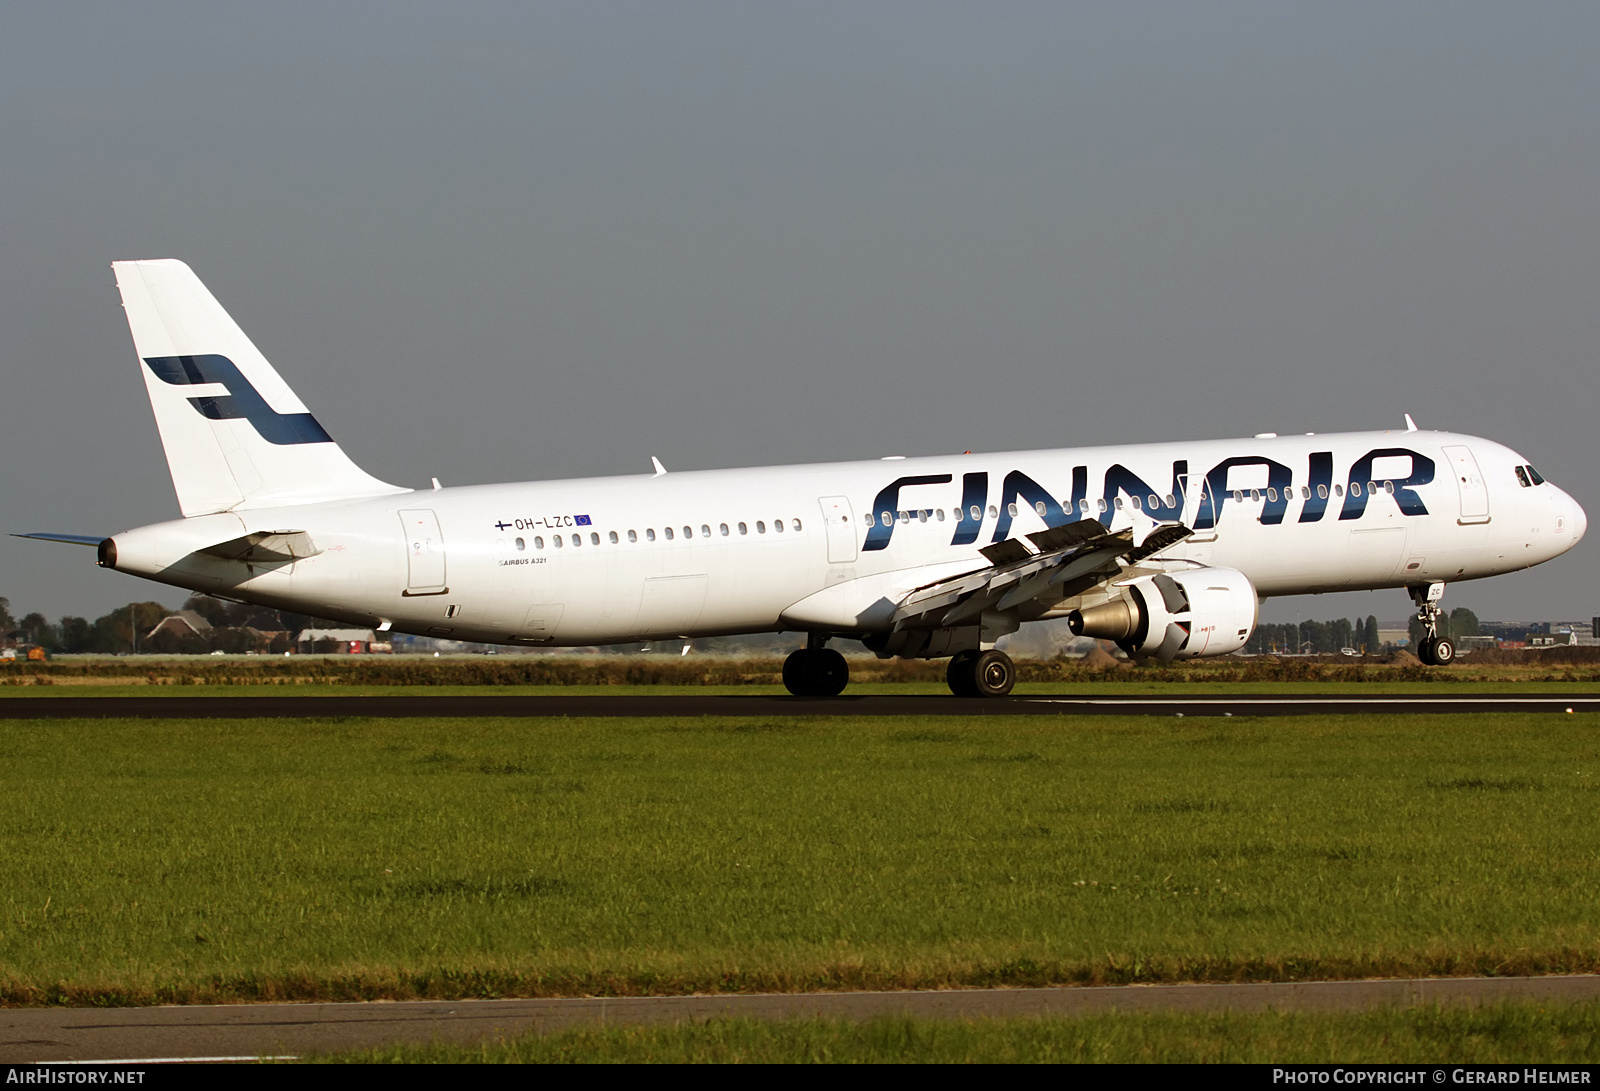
{"x":1433,"y":649}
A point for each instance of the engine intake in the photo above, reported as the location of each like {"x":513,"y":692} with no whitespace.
{"x":1181,"y":615}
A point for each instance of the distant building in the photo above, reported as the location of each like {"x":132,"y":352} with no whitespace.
{"x":337,"y":642}
{"x":184,"y":623}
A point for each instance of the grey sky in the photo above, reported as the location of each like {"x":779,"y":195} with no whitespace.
{"x":501,"y":242}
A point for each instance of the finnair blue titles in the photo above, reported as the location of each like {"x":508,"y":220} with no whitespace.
{"x":1165,"y":548}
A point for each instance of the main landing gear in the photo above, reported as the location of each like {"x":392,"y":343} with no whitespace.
{"x":818,"y":671}
{"x":815,"y":670}
{"x":980,"y":674}
{"x":1433,"y":649}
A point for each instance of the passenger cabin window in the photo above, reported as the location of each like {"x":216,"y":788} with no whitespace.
{"x":1322,"y":492}
{"x":724,"y":528}
{"x":521,"y":545}
{"x":1355,"y":488}
{"x":938,"y":514}
{"x":777,"y":524}
{"x":1238,"y":496}
{"x":688,"y":532}
{"x":555,"y":540}
{"x":577,"y":539}
{"x":797,"y":526}
{"x":888,"y":520}
{"x":633,"y":535}
{"x":594,"y":537}
{"x":976,"y":513}
{"x":1305,"y":492}
{"x":743,"y":529}
{"x":705,"y":530}
{"x":994,"y":512}
{"x":1011,"y":510}
{"x":649,"y":534}
{"x":613,"y":537}
{"x":1338,"y":490}
{"x":761,"y":528}
{"x":538,"y":542}
{"x":668,"y":532}
{"x":1100,"y":504}
{"x":1083,"y":506}
{"x":1119,"y":503}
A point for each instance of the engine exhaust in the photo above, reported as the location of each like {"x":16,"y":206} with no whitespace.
{"x":1115,"y":620}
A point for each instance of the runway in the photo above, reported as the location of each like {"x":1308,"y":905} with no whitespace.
{"x":692,"y":704}
{"x":251,"y":1030}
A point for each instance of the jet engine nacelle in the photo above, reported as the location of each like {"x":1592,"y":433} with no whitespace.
{"x":1179,"y":615}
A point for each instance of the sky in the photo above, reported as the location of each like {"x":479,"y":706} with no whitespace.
{"x":491,"y":242}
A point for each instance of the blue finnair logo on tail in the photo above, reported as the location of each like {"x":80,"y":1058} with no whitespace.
{"x":241,"y":402}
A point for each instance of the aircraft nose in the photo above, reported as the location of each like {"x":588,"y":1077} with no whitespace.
{"x":1580,"y":522}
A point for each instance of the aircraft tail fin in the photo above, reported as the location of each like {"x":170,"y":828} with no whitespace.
{"x":235,"y":435}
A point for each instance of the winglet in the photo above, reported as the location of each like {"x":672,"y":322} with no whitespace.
{"x":1411,"y":425}
{"x":656,"y":462}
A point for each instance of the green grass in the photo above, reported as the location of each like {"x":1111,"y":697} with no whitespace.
{"x":202,"y":860}
{"x":1501,"y":1034}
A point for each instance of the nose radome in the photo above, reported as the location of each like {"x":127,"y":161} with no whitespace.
{"x":1580,"y":522}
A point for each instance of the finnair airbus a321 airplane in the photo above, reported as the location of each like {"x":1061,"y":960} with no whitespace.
{"x":1165,"y":548}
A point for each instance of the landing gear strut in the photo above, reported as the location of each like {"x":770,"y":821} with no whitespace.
{"x":980,"y":674}
{"x":1433,"y":649}
{"x":815,"y":670}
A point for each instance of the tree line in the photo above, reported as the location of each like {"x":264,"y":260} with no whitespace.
{"x":235,"y":627}
{"x":1329,"y":637}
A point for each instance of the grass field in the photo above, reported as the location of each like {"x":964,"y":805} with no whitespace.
{"x":1502,"y":1034}
{"x":162,"y":861}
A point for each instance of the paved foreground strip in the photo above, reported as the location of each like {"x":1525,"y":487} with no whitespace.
{"x":676,"y":704}
{"x":237,"y":1030}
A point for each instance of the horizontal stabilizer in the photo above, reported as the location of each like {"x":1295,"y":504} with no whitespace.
{"x":265,"y":547}
{"x":92,"y":540}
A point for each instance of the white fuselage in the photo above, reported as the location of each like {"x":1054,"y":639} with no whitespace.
{"x":604,"y":560}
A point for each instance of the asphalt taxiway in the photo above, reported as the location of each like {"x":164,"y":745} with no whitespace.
{"x":244,"y":1031}
{"x":691,"y":704}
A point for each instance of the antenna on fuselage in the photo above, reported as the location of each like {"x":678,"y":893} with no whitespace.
{"x":1411,"y":425}
{"x":656,"y":462}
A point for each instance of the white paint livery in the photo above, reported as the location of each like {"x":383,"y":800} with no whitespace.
{"x":276,"y":514}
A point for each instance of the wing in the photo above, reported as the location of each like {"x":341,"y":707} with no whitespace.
{"x":1024,"y":582}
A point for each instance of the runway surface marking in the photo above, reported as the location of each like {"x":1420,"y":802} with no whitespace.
{"x":236,"y":1030}
{"x":680,"y":704}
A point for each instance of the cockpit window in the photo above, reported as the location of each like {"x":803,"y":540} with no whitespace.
{"x":1522,"y":478}
{"x":1537,"y":478}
